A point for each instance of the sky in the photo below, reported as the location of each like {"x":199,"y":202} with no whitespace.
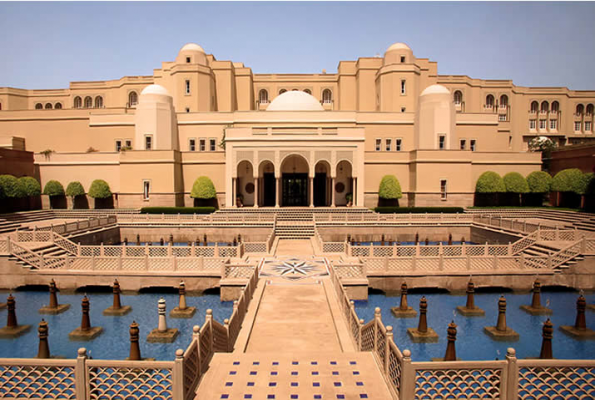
{"x":48,"y":45}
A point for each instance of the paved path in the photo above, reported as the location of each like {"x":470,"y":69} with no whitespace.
{"x":290,"y":247}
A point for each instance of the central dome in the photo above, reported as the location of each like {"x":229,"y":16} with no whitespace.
{"x":295,"y":101}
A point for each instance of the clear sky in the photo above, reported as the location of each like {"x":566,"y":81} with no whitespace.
{"x":47,"y":45}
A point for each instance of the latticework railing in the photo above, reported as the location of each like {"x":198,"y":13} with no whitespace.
{"x":167,"y":250}
{"x":240,"y":308}
{"x":37,"y":379}
{"x":236,"y":218}
{"x":325,"y":217}
{"x":554,"y":379}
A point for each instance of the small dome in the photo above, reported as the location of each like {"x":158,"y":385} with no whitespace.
{"x":435,"y":89}
{"x":155,"y":89}
{"x":192,"y":47}
{"x":295,"y":100}
{"x":398,"y":46}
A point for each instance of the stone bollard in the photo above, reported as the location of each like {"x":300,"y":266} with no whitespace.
{"x":579,"y":329}
{"x":382,"y":240}
{"x":450,"y":239}
{"x":416,"y":238}
{"x":126,"y":241}
{"x":54,"y":307}
{"x":451,"y":351}
{"x":137,"y":239}
{"x":501,"y":331}
{"x":182,"y":310}
{"x":470,"y":310}
{"x":403,"y":311}
{"x":422,"y":333}
{"x":427,"y":242}
{"x":161,"y":242}
{"x":463,"y":240}
{"x":204,"y":239}
{"x":44,"y":348}
{"x":171,"y":238}
{"x":536,"y":308}
{"x":85,"y":332}
{"x":162,"y":334}
{"x":134,"y":346}
{"x":12,"y":328}
{"x":546,"y":344}
{"x":117,"y":309}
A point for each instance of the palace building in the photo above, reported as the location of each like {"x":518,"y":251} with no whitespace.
{"x":290,"y":139}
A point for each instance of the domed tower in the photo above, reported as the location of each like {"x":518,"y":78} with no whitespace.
{"x":191,"y":53}
{"x":155,"y":120}
{"x":397,"y":81}
{"x":435,"y":119}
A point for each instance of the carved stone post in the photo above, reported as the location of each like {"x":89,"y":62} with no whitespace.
{"x":44,"y":347}
{"x":451,"y":352}
{"x":546,"y":344}
{"x":134,"y":346}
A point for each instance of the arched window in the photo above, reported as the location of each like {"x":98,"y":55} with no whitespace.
{"x":58,"y":106}
{"x":458,"y":96}
{"x":503,"y":100}
{"x":580,"y":109}
{"x":534,"y":106}
{"x":545,"y":106}
{"x":132,"y":99}
{"x":327,"y":96}
{"x":294,"y":90}
{"x":263,"y":96}
{"x":489,"y":101}
{"x":282,"y":91}
{"x":78,"y":102}
{"x":48,"y":106}
{"x":555,"y":106}
{"x":589,"y":109}
{"x":307,"y":91}
{"x":39,"y":106}
{"x":0,"y":106}
{"x":98,"y":102}
{"x":88,"y":102}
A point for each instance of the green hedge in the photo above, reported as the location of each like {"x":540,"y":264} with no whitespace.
{"x":203,"y":188}
{"x":9,"y":187}
{"x":29,"y":186}
{"x":53,"y":188}
{"x":539,"y":182}
{"x":568,"y":180}
{"x":490,"y":182}
{"x":75,"y":189}
{"x":389,"y":189}
{"x":419,"y":210}
{"x":177,"y":210}
{"x":99,"y":189}
{"x":515,"y":183}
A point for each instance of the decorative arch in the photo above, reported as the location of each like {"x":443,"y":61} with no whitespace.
{"x":245,"y":182}
{"x":98,"y":102}
{"x":589,"y":109}
{"x":344,"y":183}
{"x":48,"y":106}
{"x":263,"y":96}
{"x":308,"y":91}
{"x":458,"y":97}
{"x":322,"y":183}
{"x":132,"y":99}
{"x":489,"y":101}
{"x":504,"y":101}
{"x":545,"y":107}
{"x":327,"y":96}
{"x":39,"y":106}
{"x":58,"y":106}
{"x":555,"y":107}
{"x":88,"y":102}
{"x":580,"y":109}
{"x":78,"y":102}
{"x":534,"y":106}
{"x":282,"y":91}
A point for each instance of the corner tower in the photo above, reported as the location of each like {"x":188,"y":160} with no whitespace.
{"x":397,"y":82}
{"x":435,"y":119}
{"x":155,"y":121}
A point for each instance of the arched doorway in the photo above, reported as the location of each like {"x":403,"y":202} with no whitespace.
{"x":294,"y":181}
{"x":245,"y":183}
{"x":343,"y":183}
{"x":267,"y":185}
{"x":322,"y":173}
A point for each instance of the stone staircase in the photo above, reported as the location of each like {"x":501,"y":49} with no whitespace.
{"x":541,"y":249}
{"x":295,"y":224}
{"x":8,"y":226}
{"x":571,"y":219}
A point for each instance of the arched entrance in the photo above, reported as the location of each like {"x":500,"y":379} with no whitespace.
{"x":322,"y":173}
{"x":245,"y":183}
{"x":294,"y":181}
{"x":267,"y":185}
{"x":343,"y":183}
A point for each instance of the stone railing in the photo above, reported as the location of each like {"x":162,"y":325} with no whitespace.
{"x":240,"y":308}
{"x":321,"y":217}
{"x":348,"y":308}
{"x":507,"y":223}
{"x":349,"y":270}
{"x":167,"y":250}
{"x":238,"y":218}
{"x":237,"y":271}
{"x":259,"y":247}
{"x":430,"y":251}
{"x":76,"y":226}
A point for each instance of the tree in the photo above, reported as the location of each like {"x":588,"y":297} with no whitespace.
{"x":515,"y":183}
{"x":10,"y":188}
{"x":490,"y":182}
{"x":569,"y":180}
{"x":539,"y":182}
{"x":544,"y":145}
{"x":203,"y":189}
{"x":390,"y":189}
{"x":29,"y":186}
{"x":53,"y":188}
{"x":99,"y":189}
{"x":75,"y":189}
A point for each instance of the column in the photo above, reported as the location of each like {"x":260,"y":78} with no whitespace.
{"x":256,"y":192}
{"x":311,"y":186}
{"x":332,"y":192}
{"x":277,"y":192}
{"x":354,"y":192}
{"x":233,"y":192}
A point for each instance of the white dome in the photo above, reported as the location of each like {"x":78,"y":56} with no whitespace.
{"x":295,"y":100}
{"x":435,"y":89}
{"x":192,"y":47}
{"x":398,"y":46}
{"x":155,"y":89}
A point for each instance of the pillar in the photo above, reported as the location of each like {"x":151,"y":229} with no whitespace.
{"x":233,"y":192}
{"x":256,"y":192}
{"x":332,"y":192}
{"x":311,"y":188}
{"x":277,"y":188}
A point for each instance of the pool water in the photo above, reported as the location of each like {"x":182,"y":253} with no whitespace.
{"x":472,"y":343}
{"x":177,"y":244}
{"x":114,"y":342}
{"x":421,"y":243}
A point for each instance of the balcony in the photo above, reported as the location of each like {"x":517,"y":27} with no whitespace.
{"x":327,"y":105}
{"x":262,"y":105}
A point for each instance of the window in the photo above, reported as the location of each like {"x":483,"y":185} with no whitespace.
{"x":577,"y":126}
{"x":98,"y":102}
{"x":212,"y":144}
{"x":545,"y":106}
{"x":555,"y":107}
{"x":307,"y":91}
{"x":441,"y":142}
{"x":503,"y":100}
{"x":472,"y":145}
{"x":129,"y":144}
{"x":0,"y":106}
{"x":403,"y":83}
{"x":553,"y":124}
{"x":378,"y":144}
{"x":463,"y":144}
{"x":534,"y":107}
{"x":502,"y":117}
{"x":398,"y":144}
{"x":510,"y":142}
{"x":118,"y":145}
{"x":489,"y":101}
{"x":388,"y":144}
{"x":580,"y":109}
{"x":327,"y":96}
{"x":587,"y":126}
{"x":58,"y":106}
{"x":192,"y":144}
{"x":282,"y":91}
{"x":187,"y":109}
{"x":403,"y":109}
{"x":202,"y":144}
{"x":542,"y":124}
{"x":402,"y":59}
{"x":443,"y":189}
{"x":39,"y":106}
{"x":187,"y":87}
{"x":458,"y":97}
{"x":88,"y":102}
{"x":148,"y":142}
{"x":590,"y":109}
{"x":132,"y":99}
{"x":263,"y":96}
{"x":532,"y":124}
{"x":188,"y":59}
{"x":48,"y":106}
{"x":78,"y":102}
{"x":146,"y":188}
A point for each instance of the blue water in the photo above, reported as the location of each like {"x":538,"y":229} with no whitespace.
{"x":179,"y":244}
{"x":472,"y":343}
{"x":114,"y":342}
{"x":421,"y":243}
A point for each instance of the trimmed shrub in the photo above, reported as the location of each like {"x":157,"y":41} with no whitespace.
{"x":390,"y":189}
{"x":99,"y":189}
{"x":9,"y":187}
{"x":490,"y":182}
{"x":53,"y":188}
{"x":569,"y":180}
{"x":75,"y":189}
{"x":515,"y":183}
{"x":404,"y":210}
{"x":539,"y":182}
{"x":203,"y":188}
{"x":29,"y":186}
{"x":177,"y":210}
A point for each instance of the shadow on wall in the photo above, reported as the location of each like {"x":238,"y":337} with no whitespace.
{"x":81,"y":202}
{"x":388,"y":202}
{"x":206,"y":203}
{"x":10,"y":204}
{"x":102,"y":204}
{"x":58,"y":202}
